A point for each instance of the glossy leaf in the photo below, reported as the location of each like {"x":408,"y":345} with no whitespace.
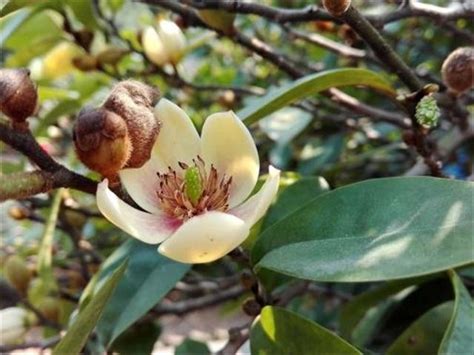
{"x":189,"y":346}
{"x":310,"y":85}
{"x":459,"y":335}
{"x":9,"y":25}
{"x":424,"y":335}
{"x":293,"y":197}
{"x":138,"y":340}
{"x":279,"y":331}
{"x":380,"y":229}
{"x":317,"y":154}
{"x":78,"y":333}
{"x":353,"y":312}
{"x":148,"y":277}
{"x":285,"y":124}
{"x":84,"y":12}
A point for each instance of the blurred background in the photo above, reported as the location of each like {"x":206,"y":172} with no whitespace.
{"x":76,"y":50}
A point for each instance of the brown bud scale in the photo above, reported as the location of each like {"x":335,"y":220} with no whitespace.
{"x":134,"y":102}
{"x":18,"y":94}
{"x":102,"y":141}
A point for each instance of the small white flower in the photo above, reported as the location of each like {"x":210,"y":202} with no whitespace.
{"x":201,"y":222}
{"x":12,"y":325}
{"x":164,"y":45}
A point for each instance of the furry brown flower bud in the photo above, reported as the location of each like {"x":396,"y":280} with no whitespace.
{"x":18,"y":94}
{"x":134,"y":103}
{"x":458,"y":70}
{"x":336,"y":7}
{"x":102,"y":141}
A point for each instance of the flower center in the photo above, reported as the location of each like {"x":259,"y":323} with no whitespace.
{"x":194,"y":191}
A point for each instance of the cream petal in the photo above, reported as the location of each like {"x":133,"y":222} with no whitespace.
{"x":256,"y":206}
{"x":227,"y":143}
{"x":205,"y":238}
{"x":154,"y":47}
{"x":149,"y":228}
{"x":178,"y":140}
{"x":142,"y":185}
{"x":173,"y":40}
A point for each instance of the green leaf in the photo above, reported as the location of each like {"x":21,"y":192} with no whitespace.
{"x":14,"y":5}
{"x":84,"y":12}
{"x":189,"y":346}
{"x":149,"y":277}
{"x":279,"y":331}
{"x":293,"y":196}
{"x":285,"y":124}
{"x":138,"y":340}
{"x":28,"y":31}
{"x":310,"y":85}
{"x":318,"y":153}
{"x":9,"y":25}
{"x":77,"y":334}
{"x":52,"y":93}
{"x":353,"y":312}
{"x":375,"y":230}
{"x":459,"y":335}
{"x":424,"y":335}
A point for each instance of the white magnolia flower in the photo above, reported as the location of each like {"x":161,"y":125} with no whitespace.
{"x":12,"y":325}
{"x":164,"y":45}
{"x":193,"y":188}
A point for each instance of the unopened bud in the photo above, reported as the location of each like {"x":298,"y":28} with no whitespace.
{"x":18,"y":212}
{"x":17,"y":273}
{"x":427,"y":112}
{"x":227,"y":99}
{"x":324,"y":26}
{"x":218,"y":19}
{"x":458,"y":70}
{"x":134,"y":103}
{"x":49,"y":307}
{"x":85,"y":62}
{"x":18,"y":94}
{"x":111,"y":55}
{"x":251,"y":307}
{"x":102,"y":141}
{"x":336,"y":7}
{"x":247,"y":279}
{"x":13,"y":321}
{"x":75,"y":218}
{"x":164,"y":45}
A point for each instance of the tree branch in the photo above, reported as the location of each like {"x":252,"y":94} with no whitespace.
{"x":381,"y":48}
{"x":25,"y":143}
{"x":183,"y":307}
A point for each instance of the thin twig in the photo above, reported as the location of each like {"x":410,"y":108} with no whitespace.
{"x":193,"y":304}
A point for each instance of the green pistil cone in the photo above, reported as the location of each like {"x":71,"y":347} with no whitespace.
{"x":193,"y":184}
{"x":427,"y":112}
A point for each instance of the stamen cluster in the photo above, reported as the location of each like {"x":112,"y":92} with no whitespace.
{"x":176,"y":203}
